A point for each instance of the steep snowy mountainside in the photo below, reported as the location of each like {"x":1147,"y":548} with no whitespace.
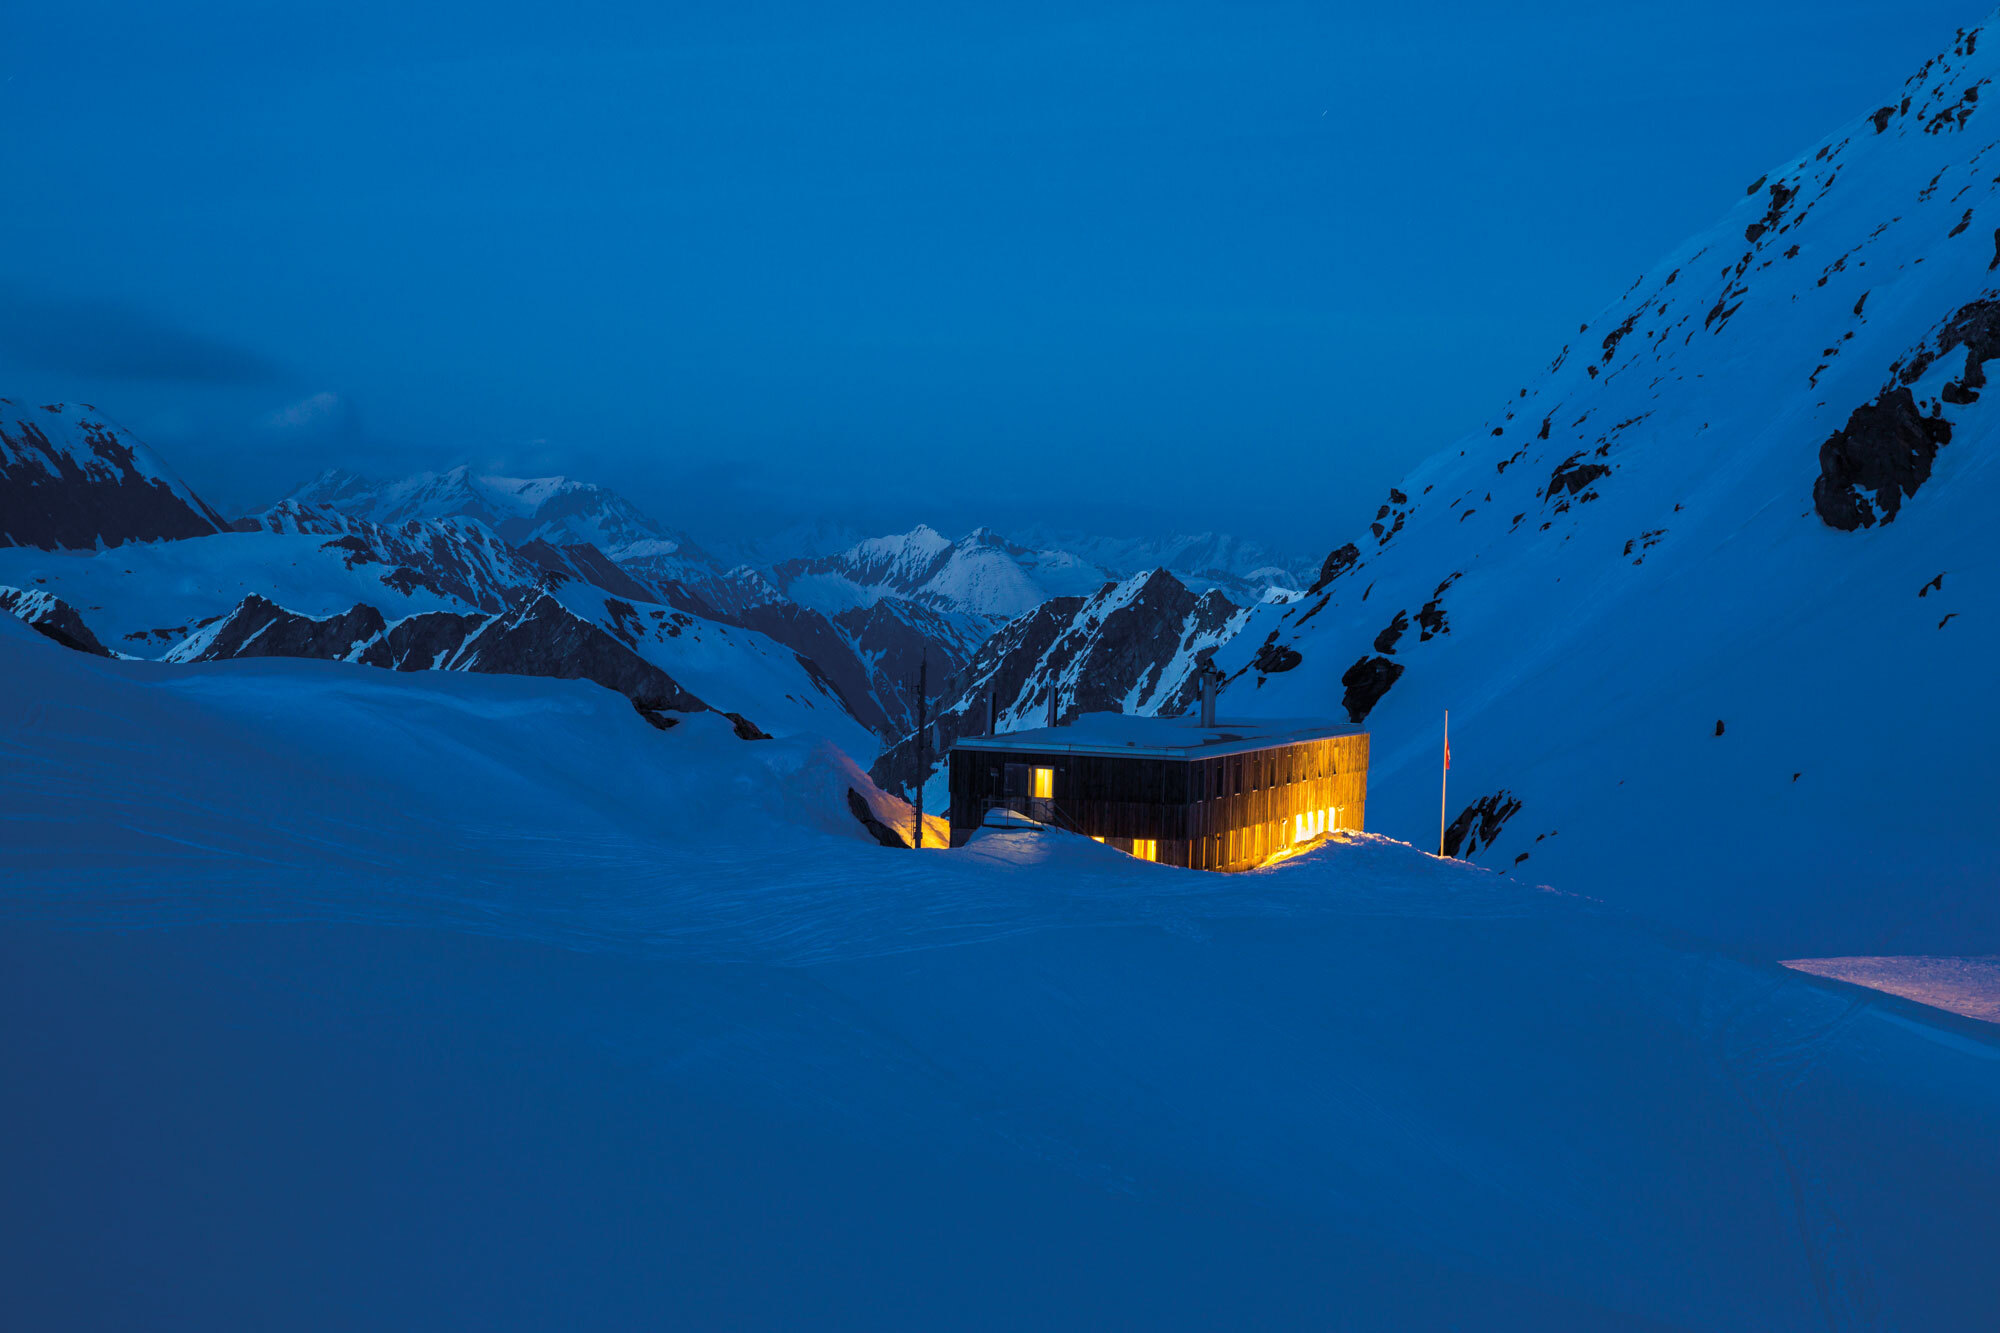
{"x":981,"y":574}
{"x":458,"y":558}
{"x":70,"y":478}
{"x":1240,"y":568}
{"x":520,"y":509}
{"x":1132,"y":647}
{"x":432,"y":982}
{"x":898,"y":638}
{"x":989,"y":575}
{"x":1709,"y":600}
{"x":739,"y":668}
{"x":52,"y":618}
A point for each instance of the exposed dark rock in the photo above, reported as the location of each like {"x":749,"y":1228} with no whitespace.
{"x":584,"y":561}
{"x":1339,"y":562}
{"x":1366,"y":682}
{"x":1098,"y":654}
{"x":1274,"y":657}
{"x":1008,"y":666}
{"x":1385,"y":642}
{"x":454,"y":559}
{"x":53,"y":618}
{"x":92,"y":484}
{"x":881,"y":832}
{"x":654,"y":716}
{"x":1718,"y":726}
{"x":1781,"y":197}
{"x":1612,"y":338}
{"x":1479,"y":824}
{"x":1886,"y":449}
{"x":541,"y":637}
{"x":1935,"y":585}
{"x":1975,"y":327}
{"x":893,"y":637}
{"x":746,"y":729}
{"x":536,"y":637}
{"x":259,"y":627}
{"x":1432,"y":619}
{"x":1573,"y":474}
{"x":1881,"y":117}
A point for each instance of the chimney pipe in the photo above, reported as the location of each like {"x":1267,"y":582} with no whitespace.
{"x":991,"y":720}
{"x":1052,"y":703}
{"x":1208,"y":677}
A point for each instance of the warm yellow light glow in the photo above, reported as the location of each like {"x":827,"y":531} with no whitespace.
{"x":1045,"y":783}
{"x":1146,"y":849}
{"x":1095,"y":838}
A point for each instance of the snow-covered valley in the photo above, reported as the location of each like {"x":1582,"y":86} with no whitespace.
{"x":465,"y":900}
{"x":491,"y":972}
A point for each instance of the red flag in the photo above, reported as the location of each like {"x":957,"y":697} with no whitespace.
{"x":1447,"y":752}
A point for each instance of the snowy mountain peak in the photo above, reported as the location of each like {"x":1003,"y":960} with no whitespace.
{"x":520,"y":509}
{"x":71,"y":478}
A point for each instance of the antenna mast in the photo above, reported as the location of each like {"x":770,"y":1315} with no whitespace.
{"x":923,"y":743}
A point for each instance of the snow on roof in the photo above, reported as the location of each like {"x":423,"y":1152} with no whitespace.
{"x":1168,"y":737}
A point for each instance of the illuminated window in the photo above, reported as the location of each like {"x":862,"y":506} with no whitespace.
{"x":1045,"y":783}
{"x":1095,"y":838}
{"x":1146,"y":849}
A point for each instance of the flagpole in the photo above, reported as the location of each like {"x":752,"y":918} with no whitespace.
{"x":1444,"y":780}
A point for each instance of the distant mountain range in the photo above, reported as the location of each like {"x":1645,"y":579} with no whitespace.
{"x":460,"y":570}
{"x":1709,"y":599}
{"x":865,"y":614}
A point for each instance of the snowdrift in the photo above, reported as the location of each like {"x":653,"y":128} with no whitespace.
{"x":355,"y":998}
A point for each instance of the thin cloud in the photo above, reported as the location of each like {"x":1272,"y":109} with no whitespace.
{"x":107,"y":340}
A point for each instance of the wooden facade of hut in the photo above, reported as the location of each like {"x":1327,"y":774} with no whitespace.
{"x":1226,"y":796}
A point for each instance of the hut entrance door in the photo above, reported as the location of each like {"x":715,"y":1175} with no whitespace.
{"x":1028,"y":790}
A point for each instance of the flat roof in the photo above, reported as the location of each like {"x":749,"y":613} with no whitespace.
{"x":1162,"y":737}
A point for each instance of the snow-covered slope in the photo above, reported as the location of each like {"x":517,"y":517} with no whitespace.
{"x":472,"y":1001}
{"x":1710,"y":600}
{"x":70,"y":478}
{"x":430,"y":593}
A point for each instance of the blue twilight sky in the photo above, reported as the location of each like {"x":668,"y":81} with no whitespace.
{"x":1137,"y":268}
